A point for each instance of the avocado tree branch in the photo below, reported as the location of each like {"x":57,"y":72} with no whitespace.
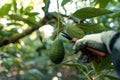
{"x":15,"y":38}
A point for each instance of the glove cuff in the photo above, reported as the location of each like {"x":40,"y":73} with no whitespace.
{"x":114,"y":39}
{"x":106,"y":38}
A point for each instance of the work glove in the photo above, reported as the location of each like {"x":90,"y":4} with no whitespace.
{"x":98,"y":41}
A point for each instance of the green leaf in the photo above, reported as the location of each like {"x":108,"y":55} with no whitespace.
{"x":102,"y":3}
{"x":1,"y":26}
{"x":5,"y":9}
{"x":14,"y":23}
{"x":111,"y":77}
{"x":14,"y":5}
{"x":65,"y":2}
{"x":14,"y":30}
{"x":32,"y":23}
{"x":21,"y":9}
{"x":104,"y":65}
{"x":116,"y":15}
{"x":36,"y":74}
{"x":16,"y":17}
{"x":5,"y":33}
{"x":91,"y":27}
{"x":90,"y":12}
{"x":71,"y":64}
{"x":28,"y":9}
{"x":75,"y":31}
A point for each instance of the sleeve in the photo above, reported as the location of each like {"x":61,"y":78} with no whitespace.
{"x":115,"y":51}
{"x":114,"y":39}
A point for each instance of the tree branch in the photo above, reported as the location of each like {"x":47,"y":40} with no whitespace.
{"x":15,"y":38}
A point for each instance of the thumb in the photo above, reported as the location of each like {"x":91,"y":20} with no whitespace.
{"x":79,"y":45}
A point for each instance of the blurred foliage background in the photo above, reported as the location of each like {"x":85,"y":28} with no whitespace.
{"x":28,"y":28}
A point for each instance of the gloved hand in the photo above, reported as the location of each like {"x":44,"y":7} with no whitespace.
{"x":99,"y":41}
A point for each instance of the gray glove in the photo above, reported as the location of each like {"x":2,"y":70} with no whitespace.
{"x":99,"y":41}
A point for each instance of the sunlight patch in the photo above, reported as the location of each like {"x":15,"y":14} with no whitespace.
{"x":47,"y":30}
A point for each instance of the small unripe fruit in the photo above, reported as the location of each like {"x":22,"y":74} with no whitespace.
{"x":57,"y":51}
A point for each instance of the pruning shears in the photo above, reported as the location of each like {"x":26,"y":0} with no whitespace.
{"x":92,"y":53}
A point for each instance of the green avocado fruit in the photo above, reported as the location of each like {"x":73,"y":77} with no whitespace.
{"x":57,"y":51}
